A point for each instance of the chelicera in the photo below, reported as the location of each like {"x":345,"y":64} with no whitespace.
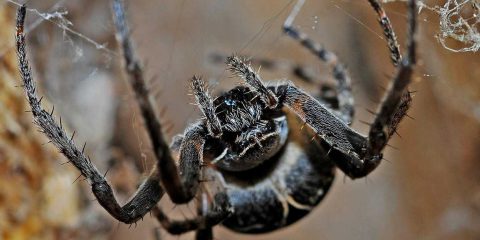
{"x":249,"y":140}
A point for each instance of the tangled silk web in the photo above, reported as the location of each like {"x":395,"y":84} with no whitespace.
{"x":459,"y":21}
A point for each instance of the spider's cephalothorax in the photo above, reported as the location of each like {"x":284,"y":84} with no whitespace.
{"x":270,"y":172}
{"x":251,"y":132}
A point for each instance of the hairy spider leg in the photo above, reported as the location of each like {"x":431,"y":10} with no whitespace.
{"x":392,"y":109}
{"x":345,"y":143}
{"x":339,"y":72}
{"x":191,"y":158}
{"x":221,"y":209}
{"x":182,"y":187}
{"x":397,"y":99}
{"x":149,"y":192}
{"x":304,"y":73}
{"x":327,"y":91}
{"x":246,"y":72}
{"x":388,"y":32}
{"x":327,"y":125}
{"x":205,"y":103}
{"x":203,"y":208}
{"x":206,"y":217}
{"x":365,"y":153}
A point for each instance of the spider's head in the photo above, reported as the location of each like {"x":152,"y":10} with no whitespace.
{"x":243,"y":130}
{"x":239,"y":109}
{"x":252,"y":132}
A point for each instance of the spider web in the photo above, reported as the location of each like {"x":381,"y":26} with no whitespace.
{"x":459,"y":21}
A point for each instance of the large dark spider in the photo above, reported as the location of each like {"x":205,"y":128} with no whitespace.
{"x":271,"y":174}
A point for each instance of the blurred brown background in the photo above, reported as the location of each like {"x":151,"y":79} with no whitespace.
{"x":428,"y":189}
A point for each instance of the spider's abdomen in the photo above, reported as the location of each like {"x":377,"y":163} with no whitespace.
{"x":280,"y":191}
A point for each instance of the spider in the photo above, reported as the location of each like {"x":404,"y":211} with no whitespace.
{"x":270,"y":174}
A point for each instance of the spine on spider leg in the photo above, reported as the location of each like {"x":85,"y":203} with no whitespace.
{"x":45,"y":121}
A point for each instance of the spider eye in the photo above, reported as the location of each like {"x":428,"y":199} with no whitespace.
{"x":230,"y":102}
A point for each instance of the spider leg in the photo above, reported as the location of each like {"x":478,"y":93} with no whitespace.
{"x":180,"y":187}
{"x":355,"y":154}
{"x":304,"y":73}
{"x":204,"y":232}
{"x":388,"y":32}
{"x":397,"y":99}
{"x":147,"y":195}
{"x":191,"y":159}
{"x":339,"y":72}
{"x":221,"y":210}
{"x":344,"y":91}
{"x":364,"y":154}
{"x":322,"y":120}
{"x":245,"y":71}
{"x":327,"y":93}
{"x":328,"y":126}
{"x":205,"y":102}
